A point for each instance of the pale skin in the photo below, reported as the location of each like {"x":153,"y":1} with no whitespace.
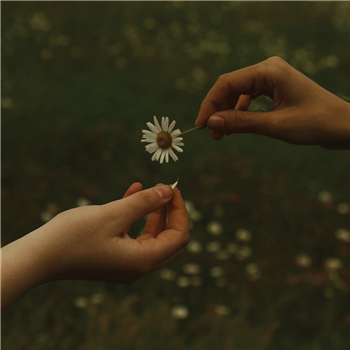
{"x":303,"y":113}
{"x":92,"y":243}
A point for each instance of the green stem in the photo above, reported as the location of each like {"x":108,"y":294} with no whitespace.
{"x":197,"y":127}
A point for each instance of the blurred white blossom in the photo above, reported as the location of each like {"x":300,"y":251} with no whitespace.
{"x":333,"y":264}
{"x":243,"y":235}
{"x":243,"y":253}
{"x":191,"y":269}
{"x":214,"y":228}
{"x":343,"y":208}
{"x":97,"y":298}
{"x":167,"y":274}
{"x":81,"y":302}
{"x":194,"y":247}
{"x":216,"y":271}
{"x":343,"y":235}
{"x":325,"y":197}
{"x":183,"y":282}
{"x":179,"y":312}
{"x":303,"y":260}
{"x":253,"y":271}
{"x":222,"y":310}
{"x":82,"y":202}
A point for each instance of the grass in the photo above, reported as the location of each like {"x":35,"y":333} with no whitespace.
{"x":78,"y":86}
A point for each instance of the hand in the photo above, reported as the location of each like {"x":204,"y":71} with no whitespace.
{"x":93,"y":243}
{"x":303,"y":112}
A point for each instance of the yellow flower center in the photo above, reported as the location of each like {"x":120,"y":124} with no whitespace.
{"x":164,"y":140}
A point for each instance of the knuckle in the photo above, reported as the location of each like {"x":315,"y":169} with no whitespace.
{"x":240,"y":121}
{"x":223,"y":78}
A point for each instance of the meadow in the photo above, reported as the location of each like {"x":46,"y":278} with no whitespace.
{"x":268,"y":263}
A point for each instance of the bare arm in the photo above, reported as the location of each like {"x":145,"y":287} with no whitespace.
{"x":92,"y":243}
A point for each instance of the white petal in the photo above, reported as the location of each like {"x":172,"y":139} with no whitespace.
{"x":175,"y":133}
{"x":157,"y":124}
{"x":172,"y":154}
{"x":163,"y":124}
{"x":166,"y":155}
{"x":155,"y":155}
{"x":177,"y":139}
{"x":152,"y":127}
{"x":177,"y":148}
{"x":166,"y":124}
{"x":179,"y":143}
{"x":162,"y":157}
{"x":149,"y":140}
{"x":150,"y":133}
{"x":171,"y":127}
{"x":174,"y":185}
{"x":152,"y":147}
{"x":159,"y":152}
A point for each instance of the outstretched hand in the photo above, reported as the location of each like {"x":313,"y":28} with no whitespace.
{"x":303,"y":112}
{"x":94,"y":243}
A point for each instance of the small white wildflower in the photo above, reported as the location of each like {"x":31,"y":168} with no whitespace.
{"x":253,"y":271}
{"x":216,"y":271}
{"x":81,"y":302}
{"x":195,"y":215}
{"x":243,"y":253}
{"x":191,"y":269}
{"x":167,"y":274}
{"x":96,"y":298}
{"x":161,"y":140}
{"x":222,"y":310}
{"x":325,"y":197}
{"x":222,"y":255}
{"x":333,"y":264}
{"x":179,"y":312}
{"x":82,"y":202}
{"x":214,"y":228}
{"x":343,"y":235}
{"x":243,"y":235}
{"x":194,"y":247}
{"x":343,"y":208}
{"x":303,"y":260}
{"x":183,"y":282}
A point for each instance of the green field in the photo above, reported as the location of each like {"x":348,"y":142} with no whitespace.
{"x":79,"y":82}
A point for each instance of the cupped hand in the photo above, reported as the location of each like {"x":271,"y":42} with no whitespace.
{"x":92,"y":242}
{"x":303,"y":113}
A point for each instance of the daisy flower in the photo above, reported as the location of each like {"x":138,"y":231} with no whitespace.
{"x":162,"y":140}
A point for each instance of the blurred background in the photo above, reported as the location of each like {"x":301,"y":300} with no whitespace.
{"x":268,"y":263}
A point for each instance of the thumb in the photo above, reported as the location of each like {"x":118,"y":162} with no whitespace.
{"x":139,"y":204}
{"x":237,"y":121}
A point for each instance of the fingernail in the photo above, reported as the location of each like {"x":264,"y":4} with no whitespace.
{"x":164,"y":192}
{"x":216,"y":122}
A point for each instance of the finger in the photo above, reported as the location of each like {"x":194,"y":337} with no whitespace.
{"x":134,"y":188}
{"x":129,"y":209}
{"x":217,"y":135}
{"x":176,"y":235}
{"x":156,"y":221}
{"x":236,"y":121}
{"x":243,"y":103}
{"x":251,"y":80}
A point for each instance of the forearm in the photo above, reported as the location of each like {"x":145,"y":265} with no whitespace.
{"x":24,"y":265}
